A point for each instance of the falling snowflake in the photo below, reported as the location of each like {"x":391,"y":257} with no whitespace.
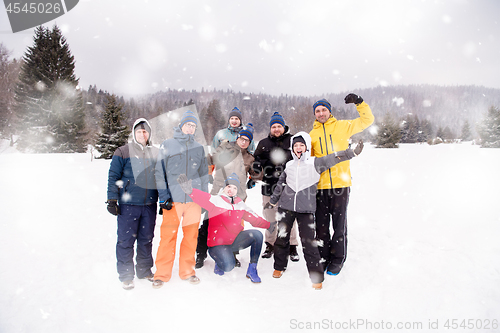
{"x":126,"y":197}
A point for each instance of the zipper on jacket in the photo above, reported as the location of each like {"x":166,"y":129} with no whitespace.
{"x":326,"y":144}
{"x":187,"y":160}
{"x":146,"y":176}
{"x":296,"y":183}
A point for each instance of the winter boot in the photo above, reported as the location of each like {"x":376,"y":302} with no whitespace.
{"x":277,"y":274}
{"x":128,"y":285}
{"x":157,"y":284}
{"x":150,"y":277}
{"x":217,"y":270}
{"x":237,"y":263}
{"x":334,"y":269}
{"x":252,"y":273}
{"x":294,"y":256}
{"x":318,"y":286}
{"x":200,"y":261}
{"x":268,"y":252}
{"x":193,"y":279}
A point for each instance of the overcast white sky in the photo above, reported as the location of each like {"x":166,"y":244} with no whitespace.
{"x":290,"y":47}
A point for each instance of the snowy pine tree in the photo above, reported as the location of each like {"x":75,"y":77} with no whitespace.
{"x":466,"y":132}
{"x":489,"y":129}
{"x":49,"y":104}
{"x":410,"y":128}
{"x":389,"y":133}
{"x":9,"y":72}
{"x":114,"y":133}
{"x":426,"y":131}
{"x":212,"y":120}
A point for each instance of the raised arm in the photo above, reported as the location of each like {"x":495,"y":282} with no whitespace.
{"x":202,"y":199}
{"x":326,"y":162}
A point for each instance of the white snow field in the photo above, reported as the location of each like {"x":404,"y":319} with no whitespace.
{"x":423,"y":254}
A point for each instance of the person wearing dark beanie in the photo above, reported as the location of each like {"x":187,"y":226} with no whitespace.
{"x":271,"y":155}
{"x":327,"y":136}
{"x":232,"y":131}
{"x":235,"y":112}
{"x":298,"y":139}
{"x":323,"y":102}
{"x":247,"y":131}
{"x":276,"y":118}
{"x":188,"y":117}
{"x":181,"y":153}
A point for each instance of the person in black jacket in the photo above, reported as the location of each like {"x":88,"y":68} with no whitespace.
{"x":271,"y":155}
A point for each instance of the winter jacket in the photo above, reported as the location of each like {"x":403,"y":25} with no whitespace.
{"x":334,"y":136}
{"x":273,"y":153}
{"x":229,"y":158}
{"x":131,"y":177}
{"x":230,"y":134}
{"x":180,"y":155}
{"x":296,"y":188}
{"x":225,"y":217}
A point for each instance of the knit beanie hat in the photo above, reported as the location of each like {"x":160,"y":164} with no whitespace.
{"x":247,"y":131}
{"x":323,"y":102}
{"x":276,"y":118}
{"x":233,"y":180}
{"x":298,"y":139}
{"x":187,"y":117}
{"x":235,"y":113}
{"x":143,"y":125}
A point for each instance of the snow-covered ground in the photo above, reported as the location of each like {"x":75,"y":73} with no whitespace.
{"x":424,"y":230}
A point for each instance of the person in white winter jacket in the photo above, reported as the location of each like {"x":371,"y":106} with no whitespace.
{"x":295,"y":195}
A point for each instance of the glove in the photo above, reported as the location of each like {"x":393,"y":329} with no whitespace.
{"x":185,"y":184}
{"x":256,"y":167}
{"x":272,"y":227}
{"x":353,"y":98}
{"x":269,"y":206}
{"x":250,"y":183}
{"x":359,"y":148}
{"x":113,"y":207}
{"x":166,"y":204}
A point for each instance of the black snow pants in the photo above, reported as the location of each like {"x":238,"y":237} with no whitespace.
{"x":333,"y":249}
{"x":307,"y":232}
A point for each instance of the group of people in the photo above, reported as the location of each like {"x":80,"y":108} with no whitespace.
{"x":305,"y":190}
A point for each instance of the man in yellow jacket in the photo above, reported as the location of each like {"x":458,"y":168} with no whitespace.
{"x":330,"y":135}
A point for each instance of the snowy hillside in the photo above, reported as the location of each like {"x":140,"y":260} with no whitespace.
{"x":424,"y":225}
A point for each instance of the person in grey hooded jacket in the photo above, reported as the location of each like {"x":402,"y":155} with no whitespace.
{"x":295,"y":195}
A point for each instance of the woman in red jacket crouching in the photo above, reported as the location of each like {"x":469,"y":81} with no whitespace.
{"x":225,"y":231}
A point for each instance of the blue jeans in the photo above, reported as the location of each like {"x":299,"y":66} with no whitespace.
{"x":223,"y":254}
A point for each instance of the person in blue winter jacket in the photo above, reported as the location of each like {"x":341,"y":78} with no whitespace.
{"x":295,"y":195}
{"x":179,"y":155}
{"x":132,"y":197}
